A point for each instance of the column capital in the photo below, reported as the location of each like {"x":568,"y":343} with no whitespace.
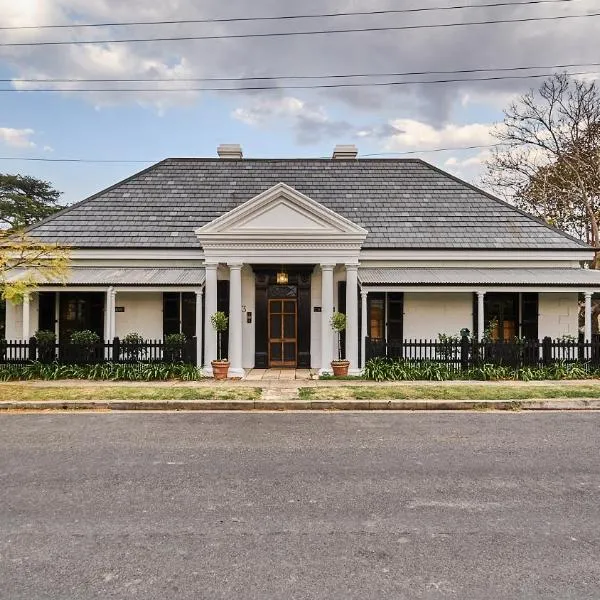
{"x":588,"y":294}
{"x":327,"y":267}
{"x":211,"y":266}
{"x":199,"y":292}
{"x":364,"y":293}
{"x":481,"y":294}
{"x":236,"y":266}
{"x":351,"y":266}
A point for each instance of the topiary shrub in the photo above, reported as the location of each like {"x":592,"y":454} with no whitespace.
{"x":174,"y":346}
{"x":46,"y":341}
{"x":87,"y":346}
{"x":133,"y":347}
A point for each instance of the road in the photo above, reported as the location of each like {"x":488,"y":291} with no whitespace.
{"x":294,"y":506}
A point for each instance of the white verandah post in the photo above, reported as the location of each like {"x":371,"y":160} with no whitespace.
{"x":352,"y":317}
{"x":364,"y":327}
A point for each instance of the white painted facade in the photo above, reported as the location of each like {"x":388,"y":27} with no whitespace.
{"x":284,"y":227}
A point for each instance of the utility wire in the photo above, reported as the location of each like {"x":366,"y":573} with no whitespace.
{"x":293,"y":87}
{"x":283,"y":17}
{"x":294,"y":33}
{"x":108,"y":161}
{"x":297,"y":77}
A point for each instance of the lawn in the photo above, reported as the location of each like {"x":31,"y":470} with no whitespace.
{"x":17,"y":392}
{"x":489,"y":391}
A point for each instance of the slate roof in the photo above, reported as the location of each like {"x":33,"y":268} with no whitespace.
{"x":403,"y":203}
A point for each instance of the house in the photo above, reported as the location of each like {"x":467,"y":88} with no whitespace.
{"x":403,"y":248}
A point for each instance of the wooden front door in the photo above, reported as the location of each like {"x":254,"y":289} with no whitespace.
{"x":283,"y":333}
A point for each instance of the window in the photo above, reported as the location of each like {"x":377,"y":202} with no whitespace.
{"x":179,"y":313}
{"x":509,"y":315}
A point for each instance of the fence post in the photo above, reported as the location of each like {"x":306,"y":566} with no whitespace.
{"x":32,"y":349}
{"x":116,"y":350}
{"x":547,"y":351}
{"x":464,"y":352}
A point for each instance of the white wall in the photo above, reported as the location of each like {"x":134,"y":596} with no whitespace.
{"x":248,"y":332}
{"x":143,"y":314}
{"x":14,"y":318}
{"x":428,"y":314}
{"x":315,"y":323}
{"x":558,"y":315}
{"x":14,"y":321}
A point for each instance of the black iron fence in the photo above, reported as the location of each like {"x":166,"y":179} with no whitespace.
{"x":464,"y":353}
{"x":116,"y":351}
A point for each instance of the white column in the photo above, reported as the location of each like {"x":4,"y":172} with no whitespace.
{"x":109,"y":315}
{"x":235,"y":320}
{"x":588,"y":317}
{"x":364,"y":327}
{"x":113,"y":314}
{"x":26,"y":317}
{"x":352,"y":318}
{"x":480,"y":315}
{"x":199,"y":295}
{"x":210,"y":307}
{"x":326,"y":314}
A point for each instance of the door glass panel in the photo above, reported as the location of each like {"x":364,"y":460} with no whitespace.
{"x":276,"y":351}
{"x":289,"y":307}
{"x":289,"y":351}
{"x":289,"y":326}
{"x":276,"y":306}
{"x":275,"y":326}
{"x":376,"y":318}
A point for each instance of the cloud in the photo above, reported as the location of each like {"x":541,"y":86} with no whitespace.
{"x":17,"y":138}
{"x":443,"y":49}
{"x":309,"y":121}
{"x":410,"y":134}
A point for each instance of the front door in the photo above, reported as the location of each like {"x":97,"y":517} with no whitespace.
{"x":283,"y":333}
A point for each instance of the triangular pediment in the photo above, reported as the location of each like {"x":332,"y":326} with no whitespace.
{"x":280,"y":212}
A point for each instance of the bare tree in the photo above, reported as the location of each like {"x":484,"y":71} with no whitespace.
{"x":548,"y":158}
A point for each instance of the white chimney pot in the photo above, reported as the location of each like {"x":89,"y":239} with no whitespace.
{"x":230,"y":151}
{"x":345,"y":152}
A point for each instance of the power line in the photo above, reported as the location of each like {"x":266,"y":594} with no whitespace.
{"x":292,"y":87}
{"x":297,"y":77}
{"x":283,"y":17}
{"x":295,"y":33}
{"x":109,"y":161}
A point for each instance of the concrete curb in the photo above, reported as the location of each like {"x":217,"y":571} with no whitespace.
{"x":296,"y":404}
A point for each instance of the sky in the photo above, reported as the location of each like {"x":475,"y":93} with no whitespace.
{"x":147,"y":126}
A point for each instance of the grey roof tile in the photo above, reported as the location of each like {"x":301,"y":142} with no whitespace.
{"x":403,"y":203}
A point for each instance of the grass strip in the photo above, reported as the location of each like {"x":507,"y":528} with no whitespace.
{"x":454,"y":392}
{"x":27,"y":393}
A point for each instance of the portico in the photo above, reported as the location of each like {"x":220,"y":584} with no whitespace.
{"x":282,"y":227}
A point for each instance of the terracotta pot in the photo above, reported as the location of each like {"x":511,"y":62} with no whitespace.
{"x":220,"y":368}
{"x":340,"y":367}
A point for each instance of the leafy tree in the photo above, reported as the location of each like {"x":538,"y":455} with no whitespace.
{"x":25,"y":200}
{"x":548,"y":159}
{"x":25,"y":262}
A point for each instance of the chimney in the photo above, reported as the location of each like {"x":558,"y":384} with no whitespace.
{"x":345,"y":152}
{"x":230,"y":151}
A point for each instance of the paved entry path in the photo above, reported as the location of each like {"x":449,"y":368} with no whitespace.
{"x":280,"y":374}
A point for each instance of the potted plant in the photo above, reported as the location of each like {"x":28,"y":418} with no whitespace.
{"x":339,"y":366}
{"x":220,"y":323}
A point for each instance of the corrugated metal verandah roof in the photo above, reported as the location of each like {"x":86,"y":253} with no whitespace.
{"x":137,"y":276}
{"x":474,"y":276}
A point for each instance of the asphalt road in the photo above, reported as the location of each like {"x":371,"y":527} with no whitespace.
{"x":290,"y":506}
